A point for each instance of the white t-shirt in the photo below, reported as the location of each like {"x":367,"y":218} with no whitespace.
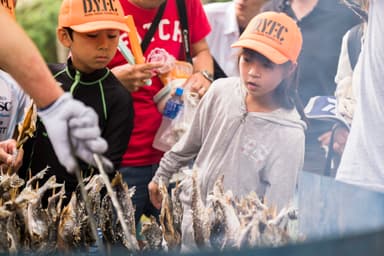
{"x":345,"y":94}
{"x":225,"y":31}
{"x":363,"y":159}
{"x":13,"y":101}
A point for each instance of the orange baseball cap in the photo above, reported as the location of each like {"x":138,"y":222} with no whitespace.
{"x":274,"y":35}
{"x":86,"y":16}
{"x":9,"y":6}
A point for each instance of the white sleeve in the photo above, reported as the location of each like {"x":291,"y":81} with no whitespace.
{"x":344,"y":93}
{"x":344,"y":68}
{"x":362,"y":162}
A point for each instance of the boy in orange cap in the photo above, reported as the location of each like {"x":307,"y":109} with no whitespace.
{"x":91,"y":32}
{"x":246,"y":128}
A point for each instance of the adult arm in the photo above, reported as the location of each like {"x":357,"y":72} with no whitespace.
{"x":199,"y":28}
{"x":20,"y":57}
{"x":186,"y":149}
{"x":202,"y":61}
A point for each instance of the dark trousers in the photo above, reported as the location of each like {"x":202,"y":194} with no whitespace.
{"x":140,"y":176}
{"x":315,"y":155}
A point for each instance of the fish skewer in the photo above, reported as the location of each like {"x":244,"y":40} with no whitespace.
{"x":114,"y":200}
{"x":25,"y":131}
{"x":91,"y":218}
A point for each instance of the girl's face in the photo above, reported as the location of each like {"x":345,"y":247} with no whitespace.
{"x":260,"y":76}
{"x":92,"y":50}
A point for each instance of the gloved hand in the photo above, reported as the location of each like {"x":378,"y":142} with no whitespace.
{"x":73,"y":129}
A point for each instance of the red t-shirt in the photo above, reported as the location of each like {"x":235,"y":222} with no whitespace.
{"x":168,"y":37}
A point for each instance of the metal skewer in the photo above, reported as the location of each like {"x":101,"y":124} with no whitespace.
{"x":84,"y":195}
{"x":91,"y":218}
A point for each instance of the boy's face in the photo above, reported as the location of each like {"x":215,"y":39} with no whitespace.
{"x":91,"y":50}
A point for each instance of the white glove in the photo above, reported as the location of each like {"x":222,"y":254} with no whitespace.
{"x":70,"y":119}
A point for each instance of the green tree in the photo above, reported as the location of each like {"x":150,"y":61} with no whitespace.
{"x":39,"y":19}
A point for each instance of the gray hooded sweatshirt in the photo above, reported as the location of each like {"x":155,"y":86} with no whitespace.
{"x":260,"y":152}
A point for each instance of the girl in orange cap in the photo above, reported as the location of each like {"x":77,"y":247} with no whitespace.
{"x":246,"y":128}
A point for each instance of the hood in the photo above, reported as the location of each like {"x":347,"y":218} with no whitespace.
{"x":282,"y":116}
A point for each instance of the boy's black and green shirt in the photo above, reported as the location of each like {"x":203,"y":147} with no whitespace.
{"x":100,"y":90}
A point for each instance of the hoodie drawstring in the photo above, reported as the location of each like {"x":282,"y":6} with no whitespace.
{"x":103,"y":99}
{"x":77,"y":81}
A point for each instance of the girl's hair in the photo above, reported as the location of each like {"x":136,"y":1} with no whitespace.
{"x":287,"y":91}
{"x":360,"y":7}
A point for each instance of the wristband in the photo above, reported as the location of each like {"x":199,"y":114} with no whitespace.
{"x":53,"y":105}
{"x":207,"y":75}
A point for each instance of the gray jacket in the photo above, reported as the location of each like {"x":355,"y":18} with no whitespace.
{"x":260,"y":152}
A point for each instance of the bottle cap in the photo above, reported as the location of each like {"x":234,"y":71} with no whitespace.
{"x":179,"y":91}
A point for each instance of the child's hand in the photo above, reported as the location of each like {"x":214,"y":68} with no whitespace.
{"x":197,"y":83}
{"x":9,"y":155}
{"x":154,"y":194}
{"x":324,"y":139}
{"x":340,"y":139}
{"x":134,"y":76}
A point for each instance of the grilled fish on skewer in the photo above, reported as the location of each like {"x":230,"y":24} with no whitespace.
{"x":172,"y":237}
{"x":200,"y":217}
{"x":177,"y":207}
{"x":124,"y":195}
{"x":4,"y":237}
{"x":107,"y":217}
{"x":26,"y":129}
{"x":93,"y":188}
{"x":54,"y":211}
{"x":37,"y":217}
{"x":67,"y":224}
{"x":153,"y":235}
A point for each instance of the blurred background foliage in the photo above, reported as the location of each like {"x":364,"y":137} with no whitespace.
{"x":39,"y":19}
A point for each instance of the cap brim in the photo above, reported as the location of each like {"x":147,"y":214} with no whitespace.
{"x":99,"y":25}
{"x":266,"y":50}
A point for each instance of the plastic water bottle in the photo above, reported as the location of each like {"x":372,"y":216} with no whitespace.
{"x":173,"y":105}
{"x":164,"y":137}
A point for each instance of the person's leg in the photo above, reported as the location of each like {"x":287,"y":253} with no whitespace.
{"x":149,"y":209}
{"x":315,"y":155}
{"x":140,"y":177}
